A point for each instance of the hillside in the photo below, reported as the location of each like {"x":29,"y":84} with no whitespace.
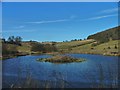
{"x":108,"y":48}
{"x":105,"y":36}
{"x":105,"y":43}
{"x":66,"y":46}
{"x":86,"y":47}
{"x":11,"y":50}
{"x":26,"y":48}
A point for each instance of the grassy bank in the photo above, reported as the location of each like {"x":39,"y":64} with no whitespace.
{"x":86,"y":47}
{"x":83,"y":47}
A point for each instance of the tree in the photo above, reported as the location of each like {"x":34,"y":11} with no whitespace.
{"x":18,"y":40}
{"x":80,"y":39}
{"x":15,"y":40}
{"x":116,"y":46}
{"x":53,"y":43}
{"x":3,"y":40}
{"x":11,"y":39}
{"x":75,"y":40}
{"x":109,"y":48}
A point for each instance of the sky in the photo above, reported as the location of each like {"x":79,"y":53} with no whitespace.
{"x":57,"y":21}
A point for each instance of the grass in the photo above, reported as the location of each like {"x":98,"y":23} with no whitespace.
{"x":84,"y":46}
{"x":61,"y":59}
{"x":87,"y":48}
{"x":67,"y":45}
{"x":24,"y":48}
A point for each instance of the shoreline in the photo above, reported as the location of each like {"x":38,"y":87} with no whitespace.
{"x":53,"y":53}
{"x":98,"y":54}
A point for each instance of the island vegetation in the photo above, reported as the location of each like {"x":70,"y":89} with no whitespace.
{"x":61,"y":59}
{"x":104,"y":43}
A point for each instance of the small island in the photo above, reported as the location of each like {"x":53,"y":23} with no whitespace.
{"x":61,"y":59}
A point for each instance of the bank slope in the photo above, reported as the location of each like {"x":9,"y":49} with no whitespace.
{"x":106,"y":35}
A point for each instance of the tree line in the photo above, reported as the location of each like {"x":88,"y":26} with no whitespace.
{"x":10,"y":46}
{"x":13,"y":40}
{"x":75,"y":40}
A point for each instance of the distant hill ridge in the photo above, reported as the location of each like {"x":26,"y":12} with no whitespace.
{"x":107,"y":35}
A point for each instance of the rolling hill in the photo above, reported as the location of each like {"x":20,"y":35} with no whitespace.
{"x":105,"y":43}
{"x":107,"y":35}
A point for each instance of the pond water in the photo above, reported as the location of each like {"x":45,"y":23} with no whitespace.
{"x":96,"y":71}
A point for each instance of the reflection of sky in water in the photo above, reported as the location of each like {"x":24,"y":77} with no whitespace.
{"x":72,"y":72}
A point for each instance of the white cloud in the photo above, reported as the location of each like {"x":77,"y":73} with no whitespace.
{"x":107,"y":11}
{"x":100,"y":17}
{"x":53,"y":21}
{"x":110,"y":10}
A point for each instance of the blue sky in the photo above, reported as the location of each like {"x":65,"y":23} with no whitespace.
{"x":57,"y":21}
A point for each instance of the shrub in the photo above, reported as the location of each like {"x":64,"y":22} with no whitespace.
{"x":109,"y":48}
{"x":116,"y":46}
